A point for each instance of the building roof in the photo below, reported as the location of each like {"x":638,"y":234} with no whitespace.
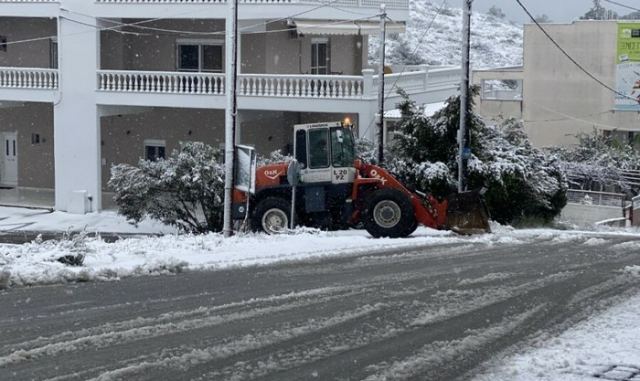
{"x":429,"y":110}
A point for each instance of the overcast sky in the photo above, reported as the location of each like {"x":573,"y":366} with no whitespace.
{"x":557,"y":10}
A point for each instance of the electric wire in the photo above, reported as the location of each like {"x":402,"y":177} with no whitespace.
{"x":623,"y":5}
{"x":573,"y":60}
{"x":420,"y":41}
{"x":138,"y":24}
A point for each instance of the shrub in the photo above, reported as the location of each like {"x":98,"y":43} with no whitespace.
{"x":522,"y":182}
{"x":186,"y":190}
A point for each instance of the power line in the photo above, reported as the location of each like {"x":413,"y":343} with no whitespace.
{"x":420,"y":41}
{"x":116,"y":28}
{"x":171,"y":32}
{"x":578,"y":65}
{"x":623,"y":5}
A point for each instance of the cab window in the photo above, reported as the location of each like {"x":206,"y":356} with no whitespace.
{"x":301,"y":147}
{"x":342,"y":147}
{"x":319,"y":148}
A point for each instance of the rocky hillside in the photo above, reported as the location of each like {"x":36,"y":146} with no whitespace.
{"x":495,"y":42}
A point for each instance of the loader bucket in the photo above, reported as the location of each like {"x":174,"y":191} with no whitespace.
{"x":467,"y":213}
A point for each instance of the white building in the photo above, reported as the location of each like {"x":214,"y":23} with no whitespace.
{"x":80,"y":92}
{"x":556,"y":99}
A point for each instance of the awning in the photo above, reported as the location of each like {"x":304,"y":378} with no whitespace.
{"x":346,"y":28}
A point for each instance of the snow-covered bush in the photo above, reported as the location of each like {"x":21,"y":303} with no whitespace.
{"x":185,"y":190}
{"x":276,"y":156}
{"x":598,"y":163}
{"x":523,"y":182}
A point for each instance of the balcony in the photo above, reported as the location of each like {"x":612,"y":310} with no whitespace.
{"x":290,"y":92}
{"x":397,"y":10}
{"x":28,"y":84}
{"x":29,"y":8}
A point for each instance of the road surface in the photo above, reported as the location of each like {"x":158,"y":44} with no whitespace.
{"x":435,"y":313}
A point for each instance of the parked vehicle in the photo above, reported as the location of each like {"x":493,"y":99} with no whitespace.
{"x":330,"y":188}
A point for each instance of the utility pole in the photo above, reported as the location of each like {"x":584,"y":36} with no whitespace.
{"x":231,"y":113}
{"x":383,"y":36}
{"x":464,"y":150}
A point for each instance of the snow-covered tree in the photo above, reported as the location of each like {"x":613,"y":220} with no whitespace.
{"x":522,"y":181}
{"x":186,"y":190}
{"x":497,"y":12}
{"x":598,"y":162}
{"x":599,"y":12}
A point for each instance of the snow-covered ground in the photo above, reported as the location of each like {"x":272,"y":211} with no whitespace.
{"x":495,"y":42}
{"x":36,"y":262}
{"x":603,"y":347}
{"x":21,"y":219}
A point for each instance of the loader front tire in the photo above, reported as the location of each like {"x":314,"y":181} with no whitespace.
{"x":271,"y":216}
{"x":388,"y":213}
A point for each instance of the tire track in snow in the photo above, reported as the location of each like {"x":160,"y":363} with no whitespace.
{"x":248,"y":342}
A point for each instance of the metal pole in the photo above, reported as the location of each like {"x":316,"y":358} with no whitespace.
{"x":383,"y":36}
{"x":464,"y":150}
{"x":231,"y":113}
{"x":292,"y":217}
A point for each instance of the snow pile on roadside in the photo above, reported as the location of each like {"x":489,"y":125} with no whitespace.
{"x":603,"y":347}
{"x":36,"y":262}
{"x":19,"y":219}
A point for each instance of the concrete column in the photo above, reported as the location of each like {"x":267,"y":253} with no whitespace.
{"x":76,"y":120}
{"x":367,"y":125}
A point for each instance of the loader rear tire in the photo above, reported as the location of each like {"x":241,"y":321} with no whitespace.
{"x":389,"y":213}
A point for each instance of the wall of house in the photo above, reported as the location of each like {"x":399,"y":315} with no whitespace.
{"x":274,"y":53}
{"x":561,"y":101}
{"x":35,"y":161}
{"x":123,"y":136}
{"x":32,"y":54}
{"x":492,"y":109}
{"x":292,"y":55}
{"x":154,"y":51}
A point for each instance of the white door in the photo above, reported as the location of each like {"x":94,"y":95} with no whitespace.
{"x":9,"y":176}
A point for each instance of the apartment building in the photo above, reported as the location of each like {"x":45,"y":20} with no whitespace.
{"x":555,"y":98}
{"x":85,"y":84}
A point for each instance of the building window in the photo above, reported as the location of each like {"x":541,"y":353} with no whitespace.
{"x":502,"y":89}
{"x":200,"y":56}
{"x":53,"y":53}
{"x":3,"y":43}
{"x":320,"y":56}
{"x":154,"y":150}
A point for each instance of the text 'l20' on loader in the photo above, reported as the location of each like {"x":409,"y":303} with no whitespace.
{"x":331,"y":189}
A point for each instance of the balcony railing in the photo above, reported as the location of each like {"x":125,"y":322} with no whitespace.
{"x":277,"y":85}
{"x":305,"y":86}
{"x":259,"y":85}
{"x":161,"y":82}
{"x":28,"y":78}
{"x":395,"y":4}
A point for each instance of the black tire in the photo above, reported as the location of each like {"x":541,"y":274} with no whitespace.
{"x":380,"y":214}
{"x":276,"y":206}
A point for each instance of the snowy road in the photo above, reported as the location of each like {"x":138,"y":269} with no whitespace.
{"x":433,"y":313}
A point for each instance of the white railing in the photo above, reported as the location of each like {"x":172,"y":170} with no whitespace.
{"x":275,"y":85}
{"x":408,"y":81}
{"x":584,"y":197}
{"x":28,"y":78}
{"x":305,"y":86}
{"x":259,"y":85}
{"x":161,"y":82}
{"x":394,"y":4}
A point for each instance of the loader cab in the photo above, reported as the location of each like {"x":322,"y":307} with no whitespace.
{"x":326,"y":153}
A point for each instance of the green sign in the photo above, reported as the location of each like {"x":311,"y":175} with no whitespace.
{"x":628,"y":67}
